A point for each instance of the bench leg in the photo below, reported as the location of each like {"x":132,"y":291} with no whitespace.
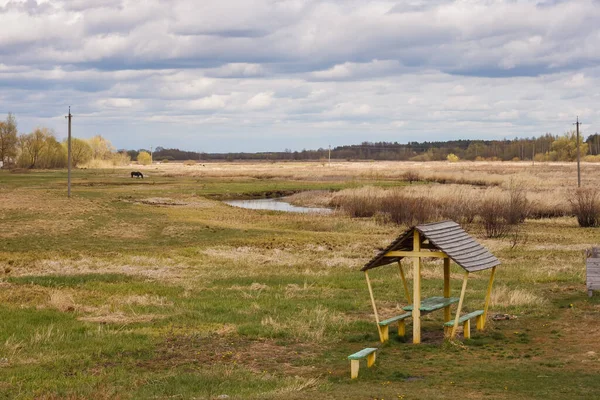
{"x":479,"y":322}
{"x":467,"y":329}
{"x":371,"y":359}
{"x":401,"y":328}
{"x":354,"y":364}
{"x":385,"y":333}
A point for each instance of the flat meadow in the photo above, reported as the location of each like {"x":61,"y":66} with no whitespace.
{"x":155,"y":289}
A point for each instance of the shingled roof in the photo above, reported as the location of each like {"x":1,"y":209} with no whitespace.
{"x":446,"y":236}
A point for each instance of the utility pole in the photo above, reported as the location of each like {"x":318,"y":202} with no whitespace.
{"x":578,"y":161}
{"x":330,"y":155}
{"x":150,"y":155}
{"x":69,"y":117}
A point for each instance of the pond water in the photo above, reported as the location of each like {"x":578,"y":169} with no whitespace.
{"x":276,"y":205}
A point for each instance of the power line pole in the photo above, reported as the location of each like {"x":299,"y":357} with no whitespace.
{"x":69,"y":117}
{"x":578,"y":157}
{"x":150,"y":155}
{"x":330,"y":155}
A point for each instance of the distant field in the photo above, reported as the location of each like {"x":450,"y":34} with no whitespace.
{"x":154,"y":288}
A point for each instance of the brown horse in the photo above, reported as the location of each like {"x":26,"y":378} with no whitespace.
{"x":137,"y":174}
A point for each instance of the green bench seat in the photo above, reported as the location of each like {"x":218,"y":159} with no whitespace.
{"x":434,"y":303}
{"x":390,"y":321}
{"x":369,"y":353}
{"x":466,"y":321}
{"x":384,"y":326}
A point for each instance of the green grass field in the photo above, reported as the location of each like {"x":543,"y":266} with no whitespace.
{"x":138,"y":289}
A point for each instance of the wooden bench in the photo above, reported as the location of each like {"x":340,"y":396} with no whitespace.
{"x":385,"y":335}
{"x":369,"y":353}
{"x":433,"y":303}
{"x":466,"y":321}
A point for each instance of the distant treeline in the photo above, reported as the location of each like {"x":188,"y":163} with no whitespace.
{"x":544,"y":148}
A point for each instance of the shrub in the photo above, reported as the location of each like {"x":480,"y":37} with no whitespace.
{"x":459,"y":206}
{"x":493,"y":211}
{"x":364,"y":202}
{"x":586,"y":207}
{"x":144,"y":158}
{"x":411,"y":176}
{"x":452,"y":157}
{"x":518,"y":205}
{"x":590,"y":158}
{"x":407,"y":210}
{"x":120,"y":158}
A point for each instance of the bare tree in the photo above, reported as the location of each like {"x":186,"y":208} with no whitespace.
{"x":8,"y":139}
{"x":40,"y":149}
{"x":81,"y":151}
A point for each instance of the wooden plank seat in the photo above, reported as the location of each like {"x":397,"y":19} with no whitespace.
{"x":433,"y":303}
{"x":385,"y":334}
{"x":466,"y":321}
{"x":369,"y":353}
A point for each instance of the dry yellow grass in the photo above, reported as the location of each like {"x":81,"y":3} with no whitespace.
{"x":307,"y":324}
{"x":503,"y":296}
{"x":538,"y":176}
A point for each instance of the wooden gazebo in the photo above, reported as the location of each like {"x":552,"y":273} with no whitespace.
{"x":446,"y":240}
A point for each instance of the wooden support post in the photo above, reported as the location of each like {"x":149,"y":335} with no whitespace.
{"x":467,"y":329}
{"x":488,"y":296}
{"x":446,"y":288}
{"x":385,"y":333}
{"x":460,"y":303}
{"x":401,"y":328}
{"x":371,"y":359}
{"x":374,"y":308}
{"x":406,"y":292}
{"x":480,"y":322}
{"x":416,"y":311}
{"x":354,"y":364}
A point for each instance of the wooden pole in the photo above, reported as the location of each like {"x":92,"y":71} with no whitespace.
{"x":374,"y":306}
{"x":460,"y":303}
{"x":69,"y":156}
{"x":416,"y":312}
{"x":446,"y":287}
{"x":488,"y":296}
{"x":578,"y":157}
{"x":406,"y":292}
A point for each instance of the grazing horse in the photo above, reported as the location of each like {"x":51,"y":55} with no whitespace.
{"x":137,"y":174}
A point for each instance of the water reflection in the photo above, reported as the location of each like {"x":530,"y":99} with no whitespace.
{"x":276,"y":205}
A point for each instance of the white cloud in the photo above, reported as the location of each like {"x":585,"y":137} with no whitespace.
{"x":118,"y":103}
{"x":213,"y":102}
{"x":260,"y":101}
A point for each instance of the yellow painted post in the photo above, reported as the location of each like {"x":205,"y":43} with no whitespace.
{"x":488,"y":296}
{"x":374,"y":308}
{"x":406,"y":292}
{"x":460,"y":303}
{"x":401,"y":328}
{"x":385,"y":333}
{"x":467,"y":329}
{"x":416,"y":312}
{"x":446,"y":288}
{"x":354,"y":364}
{"x":371,"y":359}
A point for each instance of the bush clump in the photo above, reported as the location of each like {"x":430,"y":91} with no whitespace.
{"x":586,"y":207}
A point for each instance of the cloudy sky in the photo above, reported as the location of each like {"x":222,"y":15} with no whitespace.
{"x":252,"y":75}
